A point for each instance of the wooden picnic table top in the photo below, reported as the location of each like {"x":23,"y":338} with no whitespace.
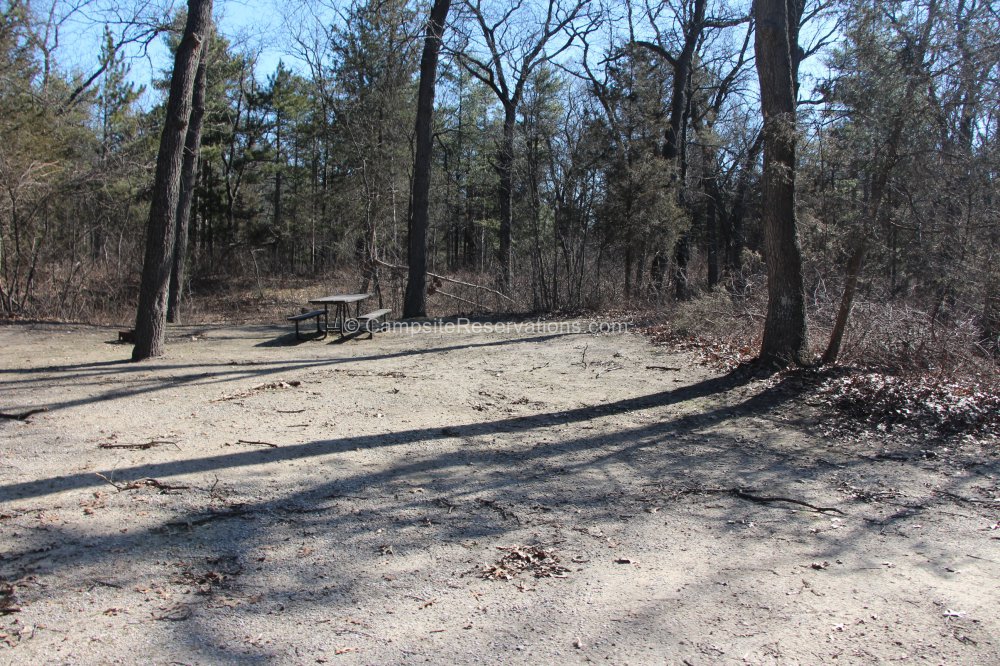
{"x":339,"y":298}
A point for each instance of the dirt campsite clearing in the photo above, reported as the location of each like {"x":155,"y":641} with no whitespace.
{"x":512,"y":495}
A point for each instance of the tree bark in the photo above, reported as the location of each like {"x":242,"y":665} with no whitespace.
{"x":776,"y":46}
{"x":415,"y":300}
{"x":151,"y":315}
{"x":189,"y":180}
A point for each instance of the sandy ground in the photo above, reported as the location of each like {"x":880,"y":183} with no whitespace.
{"x":459,"y":497}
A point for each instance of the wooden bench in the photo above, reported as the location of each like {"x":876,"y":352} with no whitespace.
{"x":369,"y":317}
{"x":317,"y":314}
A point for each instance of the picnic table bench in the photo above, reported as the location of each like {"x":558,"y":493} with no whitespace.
{"x":310,"y":315}
{"x":370,"y":318}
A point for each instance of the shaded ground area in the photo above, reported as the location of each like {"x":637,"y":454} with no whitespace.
{"x":505,"y":497}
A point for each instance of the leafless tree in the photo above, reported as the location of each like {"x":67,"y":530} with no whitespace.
{"x":510,"y":42}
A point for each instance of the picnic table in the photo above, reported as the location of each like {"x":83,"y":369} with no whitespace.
{"x":341,"y":303}
{"x":342,"y":322}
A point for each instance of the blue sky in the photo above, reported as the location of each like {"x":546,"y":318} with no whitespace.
{"x":255,"y":25}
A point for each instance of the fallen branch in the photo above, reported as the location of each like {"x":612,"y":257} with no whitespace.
{"x":463,"y":300}
{"x":661,"y":367}
{"x":736,"y":492}
{"x":452,"y":280}
{"x":22,"y":416}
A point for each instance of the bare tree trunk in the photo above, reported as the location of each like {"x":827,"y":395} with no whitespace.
{"x":189,"y":180}
{"x":776,"y":46}
{"x":682,"y":255}
{"x":674,"y":148}
{"x":415,"y":301}
{"x":151,"y":315}
{"x":714,"y":192}
{"x":505,"y":167}
{"x":854,"y":264}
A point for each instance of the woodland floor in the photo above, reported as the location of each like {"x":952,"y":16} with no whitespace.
{"x":458,"y":498}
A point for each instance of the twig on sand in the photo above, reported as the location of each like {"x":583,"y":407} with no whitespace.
{"x":966,"y":500}
{"x":138,"y":447}
{"x":176,"y":613}
{"x":251,"y":442}
{"x":236,"y":512}
{"x":143,"y":483}
{"x":503,"y":511}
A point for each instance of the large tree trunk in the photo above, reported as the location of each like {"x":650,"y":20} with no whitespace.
{"x":151,"y":315}
{"x":776,"y":46}
{"x":189,"y":180}
{"x":415,"y":301}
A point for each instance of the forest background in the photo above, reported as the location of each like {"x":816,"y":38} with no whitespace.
{"x":621,"y":143}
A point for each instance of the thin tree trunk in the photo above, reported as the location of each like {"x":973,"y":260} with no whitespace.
{"x":854,"y":264}
{"x":505,"y":167}
{"x":151,"y":315}
{"x":415,"y":300}
{"x":776,"y":46}
{"x":682,"y":255}
{"x":189,"y":180}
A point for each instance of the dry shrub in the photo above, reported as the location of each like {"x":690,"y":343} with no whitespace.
{"x":904,"y":340}
{"x":898,"y":364}
{"x":95,"y":293}
{"x":720,"y":329}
